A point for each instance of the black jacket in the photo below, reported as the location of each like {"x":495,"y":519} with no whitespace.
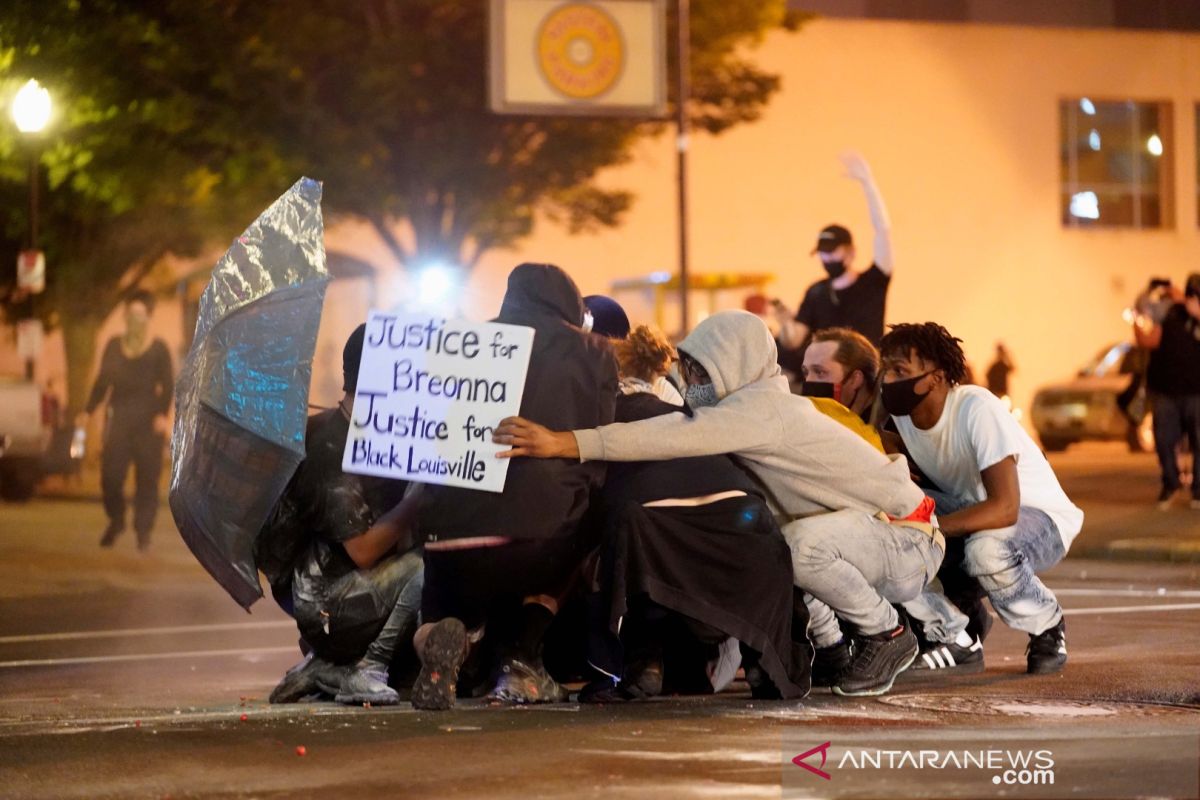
{"x":571,"y":384}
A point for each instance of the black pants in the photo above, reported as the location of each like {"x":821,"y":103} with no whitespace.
{"x":1176,"y":417}
{"x":127,"y":443}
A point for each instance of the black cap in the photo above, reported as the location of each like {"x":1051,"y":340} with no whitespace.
{"x":352,"y":357}
{"x":831,"y":238}
{"x":608,"y":318}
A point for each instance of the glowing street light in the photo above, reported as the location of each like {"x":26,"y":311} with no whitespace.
{"x":1155,"y":145}
{"x":31,"y":108}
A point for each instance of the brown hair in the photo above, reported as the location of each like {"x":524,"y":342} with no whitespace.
{"x":645,"y":354}
{"x":854,"y":351}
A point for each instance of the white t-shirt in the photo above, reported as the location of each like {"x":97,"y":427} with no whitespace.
{"x":975,"y":432}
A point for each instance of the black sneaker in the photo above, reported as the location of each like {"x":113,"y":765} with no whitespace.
{"x":524,"y":683}
{"x":367,"y":685}
{"x":311,"y":677}
{"x":111,"y":533}
{"x":830,"y":663}
{"x":441,"y":658}
{"x":877,"y":661}
{"x":951,"y":656}
{"x":1047,"y":651}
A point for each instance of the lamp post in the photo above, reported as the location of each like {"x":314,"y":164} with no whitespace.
{"x":31,"y":109}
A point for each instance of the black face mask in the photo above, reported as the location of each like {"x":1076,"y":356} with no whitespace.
{"x":900,"y":398}
{"x":819,"y":389}
{"x":836,"y":269}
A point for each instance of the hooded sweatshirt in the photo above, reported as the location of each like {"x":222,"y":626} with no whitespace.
{"x":571,"y":383}
{"x":807,"y":462}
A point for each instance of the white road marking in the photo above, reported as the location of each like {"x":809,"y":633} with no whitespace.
{"x":55,"y":662}
{"x":1127,"y":592}
{"x":129,"y":632}
{"x":1133,"y":609}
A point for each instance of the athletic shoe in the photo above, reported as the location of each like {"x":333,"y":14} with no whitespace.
{"x":830,"y":663}
{"x":877,"y":661}
{"x":523,"y":683}
{"x":441,"y":658}
{"x":367,"y":685}
{"x":1047,"y":651}
{"x":111,"y":533}
{"x":953,"y":656}
{"x":310,"y":677}
{"x":1166,"y":498}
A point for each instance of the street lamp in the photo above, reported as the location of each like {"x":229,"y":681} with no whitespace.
{"x":31,"y":109}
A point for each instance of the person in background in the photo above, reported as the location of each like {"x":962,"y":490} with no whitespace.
{"x":846,"y":298}
{"x":646,"y":357}
{"x":840,"y":370}
{"x":997,"y":374}
{"x":1173,"y":384}
{"x":997,"y":492}
{"x":137,"y":381}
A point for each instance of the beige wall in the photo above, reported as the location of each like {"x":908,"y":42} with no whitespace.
{"x":960,"y":125}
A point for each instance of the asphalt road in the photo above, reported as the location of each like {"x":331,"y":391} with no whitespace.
{"x":124,"y":675}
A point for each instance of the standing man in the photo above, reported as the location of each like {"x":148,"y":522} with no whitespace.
{"x":846,"y":298}
{"x":997,"y":492}
{"x":1173,"y":382}
{"x":136,"y":379}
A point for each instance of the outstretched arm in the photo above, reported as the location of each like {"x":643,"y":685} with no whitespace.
{"x":857,"y":169}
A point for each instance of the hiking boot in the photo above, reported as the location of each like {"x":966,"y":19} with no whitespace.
{"x":1047,"y":651}
{"x":955,"y":656}
{"x":441,"y":658}
{"x":367,"y":685}
{"x":310,"y":677}
{"x":877,"y":660}
{"x":111,"y":533}
{"x":830,"y":663}
{"x":524,"y":683}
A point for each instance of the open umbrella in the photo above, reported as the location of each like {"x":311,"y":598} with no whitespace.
{"x":241,"y":400}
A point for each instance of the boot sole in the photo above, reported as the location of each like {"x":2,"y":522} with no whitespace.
{"x":878,"y":690}
{"x":443,"y":655}
{"x":389,"y":699}
{"x":1049,"y":669}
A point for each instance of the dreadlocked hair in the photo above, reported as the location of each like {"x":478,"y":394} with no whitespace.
{"x":931,"y":343}
{"x":645,"y":354}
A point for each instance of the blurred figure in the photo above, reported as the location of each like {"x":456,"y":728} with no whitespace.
{"x":997,"y":374}
{"x":846,"y":298}
{"x":1173,"y":384}
{"x":608,"y":318}
{"x":137,"y":381}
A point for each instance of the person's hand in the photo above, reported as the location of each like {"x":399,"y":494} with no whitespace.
{"x":536,"y":441}
{"x":856,"y":166}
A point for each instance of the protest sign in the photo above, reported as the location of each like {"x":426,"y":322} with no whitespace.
{"x":430,"y":391}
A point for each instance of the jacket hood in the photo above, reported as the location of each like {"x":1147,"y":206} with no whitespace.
{"x":542,"y":290}
{"x":736,"y":349}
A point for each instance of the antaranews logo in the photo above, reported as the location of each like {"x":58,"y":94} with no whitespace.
{"x":1007,"y":767}
{"x":823,"y":749}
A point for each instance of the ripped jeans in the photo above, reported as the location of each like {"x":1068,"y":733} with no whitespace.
{"x":1005,"y":561}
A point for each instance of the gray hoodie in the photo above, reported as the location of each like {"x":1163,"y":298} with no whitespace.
{"x":807,"y":462}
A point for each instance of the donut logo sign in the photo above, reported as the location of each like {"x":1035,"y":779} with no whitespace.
{"x":580,"y":51}
{"x":585,"y":57}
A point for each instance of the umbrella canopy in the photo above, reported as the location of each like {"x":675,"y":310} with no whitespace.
{"x":241,"y":400}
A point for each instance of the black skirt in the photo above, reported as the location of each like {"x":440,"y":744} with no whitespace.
{"x":724,"y":564}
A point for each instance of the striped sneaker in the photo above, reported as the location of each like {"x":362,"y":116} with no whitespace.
{"x":960,"y":658}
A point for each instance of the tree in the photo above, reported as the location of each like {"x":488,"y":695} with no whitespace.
{"x":184,"y":117}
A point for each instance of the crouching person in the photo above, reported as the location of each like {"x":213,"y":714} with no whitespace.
{"x":828,"y":482}
{"x":503,"y":562}
{"x":339,"y":557}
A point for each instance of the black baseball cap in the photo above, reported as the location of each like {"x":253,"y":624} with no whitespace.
{"x":831,"y":238}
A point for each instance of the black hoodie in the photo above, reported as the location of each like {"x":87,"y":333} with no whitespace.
{"x":571,"y":384}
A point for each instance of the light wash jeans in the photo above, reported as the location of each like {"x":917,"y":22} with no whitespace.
{"x":853,"y":566}
{"x":1005,"y":561}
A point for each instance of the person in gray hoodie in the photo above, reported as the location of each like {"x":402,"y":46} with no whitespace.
{"x":861,"y":533}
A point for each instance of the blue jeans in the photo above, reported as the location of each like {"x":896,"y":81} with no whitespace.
{"x":854,"y":566}
{"x":1005,"y":561}
{"x":1176,"y":416}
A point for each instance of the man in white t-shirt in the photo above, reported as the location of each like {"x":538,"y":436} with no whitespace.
{"x":996,"y":491}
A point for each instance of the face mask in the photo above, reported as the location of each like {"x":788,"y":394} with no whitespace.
{"x":822,"y":389}
{"x":835,"y":268}
{"x":700,"y":394}
{"x":900,"y":398}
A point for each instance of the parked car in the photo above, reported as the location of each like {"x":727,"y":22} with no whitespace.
{"x":24,"y":438}
{"x":1085,"y":408}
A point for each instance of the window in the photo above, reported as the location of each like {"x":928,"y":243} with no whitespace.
{"x":1116,"y":163}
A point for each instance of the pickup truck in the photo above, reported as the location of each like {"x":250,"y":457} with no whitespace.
{"x":24,"y":438}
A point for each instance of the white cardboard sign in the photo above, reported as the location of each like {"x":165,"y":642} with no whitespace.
{"x":430,"y":391}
